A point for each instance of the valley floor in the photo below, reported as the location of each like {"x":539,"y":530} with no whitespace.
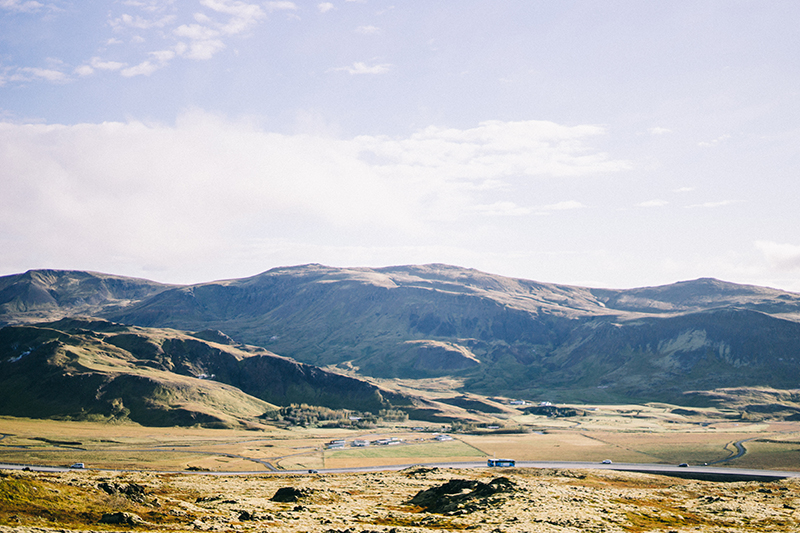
{"x":484,"y":500}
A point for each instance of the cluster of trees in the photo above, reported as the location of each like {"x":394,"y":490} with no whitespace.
{"x":305,"y":415}
{"x":475,"y":428}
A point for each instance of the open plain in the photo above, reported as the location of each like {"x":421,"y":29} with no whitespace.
{"x":653,"y":433}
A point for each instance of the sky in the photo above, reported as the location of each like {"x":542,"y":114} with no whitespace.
{"x":596,"y":143}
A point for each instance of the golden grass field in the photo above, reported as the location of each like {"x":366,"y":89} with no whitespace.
{"x":632,"y":434}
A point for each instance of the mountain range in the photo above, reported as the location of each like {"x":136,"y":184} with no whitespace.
{"x":490,"y":335}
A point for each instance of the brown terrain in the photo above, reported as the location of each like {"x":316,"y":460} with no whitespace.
{"x":416,"y":499}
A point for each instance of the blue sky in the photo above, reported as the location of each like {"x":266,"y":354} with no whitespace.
{"x":613,"y":144}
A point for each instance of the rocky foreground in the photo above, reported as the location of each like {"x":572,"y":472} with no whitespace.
{"x":413,"y":500}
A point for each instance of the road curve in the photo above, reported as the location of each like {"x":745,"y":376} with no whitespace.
{"x":709,"y":473}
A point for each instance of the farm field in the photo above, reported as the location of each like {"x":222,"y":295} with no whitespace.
{"x":626,"y":434}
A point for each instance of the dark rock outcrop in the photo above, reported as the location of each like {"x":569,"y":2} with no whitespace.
{"x":290,"y":494}
{"x":459,"y":496}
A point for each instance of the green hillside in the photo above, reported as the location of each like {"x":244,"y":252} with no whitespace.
{"x":93,"y":369}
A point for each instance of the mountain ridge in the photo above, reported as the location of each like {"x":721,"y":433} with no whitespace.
{"x":497,"y":335}
{"x":54,"y":288}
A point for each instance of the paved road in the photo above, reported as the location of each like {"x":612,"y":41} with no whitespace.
{"x":711,"y":473}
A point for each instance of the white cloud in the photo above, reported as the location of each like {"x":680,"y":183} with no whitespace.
{"x":782,"y":256}
{"x":203,"y":49}
{"x":564,"y":206}
{"x":99,"y":64}
{"x":711,"y":205}
{"x":21,"y":5}
{"x":653,"y":203}
{"x":196,"y":32}
{"x":714,"y":142}
{"x":368,"y":30}
{"x":156,"y":21}
{"x":324,"y":7}
{"x":363,"y":68}
{"x":145,"y":68}
{"x":32,"y":73}
{"x":101,"y":195}
{"x":84,"y":70}
{"x":243,"y":15}
{"x":163,"y":56}
{"x":151,"y":6}
{"x":683,"y":189}
{"x":281,"y":6}
{"x":495,"y":149}
{"x":659,"y":131}
{"x":140,"y":23}
{"x":502,"y":209}
{"x":206,"y":35}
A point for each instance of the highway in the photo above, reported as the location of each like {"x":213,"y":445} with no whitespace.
{"x":709,"y":473}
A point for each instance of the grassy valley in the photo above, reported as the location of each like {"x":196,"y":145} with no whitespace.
{"x":652,"y":433}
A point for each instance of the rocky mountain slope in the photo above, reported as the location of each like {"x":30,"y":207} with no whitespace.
{"x":496,"y":335}
{"x":42,"y":295}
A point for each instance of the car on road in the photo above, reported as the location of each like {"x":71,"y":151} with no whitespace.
{"x":312,"y":471}
{"x":606,"y":461}
{"x":683,"y":465}
{"x":77,"y":465}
